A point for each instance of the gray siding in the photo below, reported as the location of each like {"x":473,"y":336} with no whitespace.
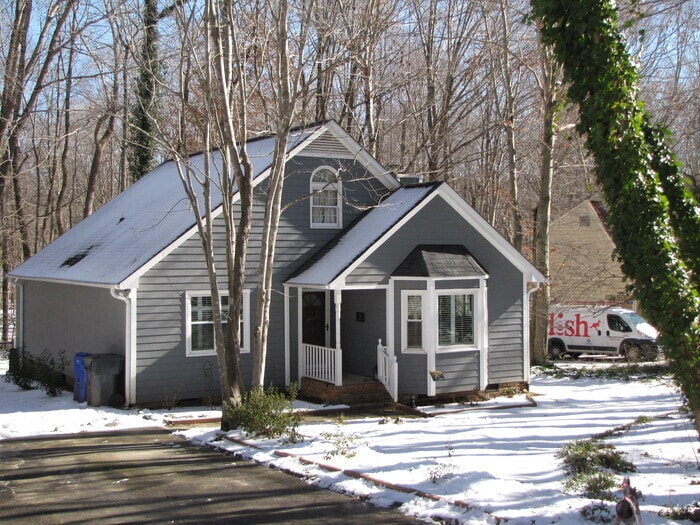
{"x":164,"y":371}
{"x":413,"y":373}
{"x":506,"y":354}
{"x":461,"y":372}
{"x":360,"y":337}
{"x":72,"y":319}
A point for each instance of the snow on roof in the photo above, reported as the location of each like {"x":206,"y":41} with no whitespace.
{"x":340,"y":253}
{"x":123,"y":235}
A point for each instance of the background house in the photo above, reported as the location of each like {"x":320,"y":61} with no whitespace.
{"x":371,"y":279}
{"x":582,"y":264}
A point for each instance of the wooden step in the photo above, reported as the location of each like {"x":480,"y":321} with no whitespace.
{"x":369,"y":392}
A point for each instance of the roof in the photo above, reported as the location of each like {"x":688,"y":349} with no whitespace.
{"x":142,"y":224}
{"x":428,"y":260}
{"x":334,"y":258}
{"x":328,"y":267}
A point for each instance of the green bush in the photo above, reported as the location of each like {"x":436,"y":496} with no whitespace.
{"x":26,"y":370}
{"x":588,"y":464}
{"x":588,"y":455}
{"x":20,"y":369}
{"x":592,"y":484}
{"x":267,"y":413}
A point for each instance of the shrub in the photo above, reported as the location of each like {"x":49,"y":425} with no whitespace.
{"x":588,"y":455}
{"x":267,"y":413}
{"x":25,"y":369}
{"x":19,"y":371}
{"x":343,"y":444}
{"x":592,"y":484}
{"x":588,"y":464}
{"x":48,"y":371}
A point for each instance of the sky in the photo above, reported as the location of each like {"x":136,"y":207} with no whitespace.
{"x":477,"y":464}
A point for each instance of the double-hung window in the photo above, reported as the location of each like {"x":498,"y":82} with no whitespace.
{"x":326,"y":199}
{"x":200,"y":322}
{"x":413,"y":329}
{"x":455,"y":318}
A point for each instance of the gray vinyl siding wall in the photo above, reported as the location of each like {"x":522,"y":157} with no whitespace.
{"x":360,"y":337}
{"x":461,"y":372}
{"x":506,"y":354}
{"x":72,"y":319}
{"x":163,"y":369}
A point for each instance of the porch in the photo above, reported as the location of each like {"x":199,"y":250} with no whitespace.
{"x":323,"y":378}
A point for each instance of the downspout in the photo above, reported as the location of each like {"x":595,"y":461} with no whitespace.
{"x":129,"y":297}
{"x":287,"y":360}
{"x":526,"y":330}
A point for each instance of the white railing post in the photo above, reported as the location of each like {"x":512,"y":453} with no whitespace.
{"x":388,"y":370}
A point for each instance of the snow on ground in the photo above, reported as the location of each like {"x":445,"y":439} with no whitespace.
{"x":477,"y":466}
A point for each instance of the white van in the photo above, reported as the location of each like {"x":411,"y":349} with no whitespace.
{"x":575,"y":330}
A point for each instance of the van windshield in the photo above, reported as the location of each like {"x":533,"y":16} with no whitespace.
{"x":634,"y":319}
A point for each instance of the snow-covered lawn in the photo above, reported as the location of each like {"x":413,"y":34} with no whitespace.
{"x":474,"y":467}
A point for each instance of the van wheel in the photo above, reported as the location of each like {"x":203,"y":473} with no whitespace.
{"x":557,"y":351}
{"x":632,"y":352}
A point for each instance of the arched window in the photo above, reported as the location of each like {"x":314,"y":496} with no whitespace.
{"x":326,"y":199}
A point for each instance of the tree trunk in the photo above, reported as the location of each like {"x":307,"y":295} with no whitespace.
{"x":540,"y":310}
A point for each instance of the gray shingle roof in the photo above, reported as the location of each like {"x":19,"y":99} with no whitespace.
{"x":439,"y":260}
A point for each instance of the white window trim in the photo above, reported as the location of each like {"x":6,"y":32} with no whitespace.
{"x":430,"y":321}
{"x":315,"y":187}
{"x":245,"y":346}
{"x":478,"y":327}
{"x":404,"y":321}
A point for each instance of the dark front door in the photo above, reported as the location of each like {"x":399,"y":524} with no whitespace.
{"x":314,"y":318}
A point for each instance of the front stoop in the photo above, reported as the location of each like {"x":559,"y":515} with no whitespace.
{"x":368,"y":392}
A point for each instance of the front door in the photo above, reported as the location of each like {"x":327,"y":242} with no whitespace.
{"x":314,"y":323}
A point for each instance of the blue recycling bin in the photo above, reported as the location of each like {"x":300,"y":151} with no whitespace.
{"x":80,"y":385}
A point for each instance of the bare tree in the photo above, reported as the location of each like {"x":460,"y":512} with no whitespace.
{"x":286,"y":73}
{"x":26,"y":70}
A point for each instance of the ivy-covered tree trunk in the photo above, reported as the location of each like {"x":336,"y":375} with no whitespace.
{"x":653,"y":217}
{"x":142,"y":141}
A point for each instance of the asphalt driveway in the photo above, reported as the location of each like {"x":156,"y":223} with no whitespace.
{"x":152,"y":476}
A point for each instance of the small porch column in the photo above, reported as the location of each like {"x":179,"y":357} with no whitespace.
{"x":338,"y":300}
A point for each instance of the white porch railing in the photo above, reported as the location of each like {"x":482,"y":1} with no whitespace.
{"x":388,"y":370}
{"x":322,"y":363}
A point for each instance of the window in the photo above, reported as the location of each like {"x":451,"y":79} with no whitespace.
{"x":412,"y":328}
{"x":414,"y":321}
{"x":584,"y":221}
{"x":442,"y":320}
{"x":617,"y":324}
{"x":200,"y":323}
{"x":326,"y":199}
{"x":455,"y":319}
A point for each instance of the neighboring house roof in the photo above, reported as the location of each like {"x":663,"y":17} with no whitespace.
{"x":428,"y":260}
{"x":602,"y":214}
{"x":337,"y":259}
{"x":133,"y":231}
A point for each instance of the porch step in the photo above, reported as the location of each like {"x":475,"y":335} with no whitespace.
{"x":366,"y":393}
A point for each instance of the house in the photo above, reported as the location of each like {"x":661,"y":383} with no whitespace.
{"x":405,"y":284}
{"x":582,"y":263}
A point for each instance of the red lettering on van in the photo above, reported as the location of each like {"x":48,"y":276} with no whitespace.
{"x":576,"y":327}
